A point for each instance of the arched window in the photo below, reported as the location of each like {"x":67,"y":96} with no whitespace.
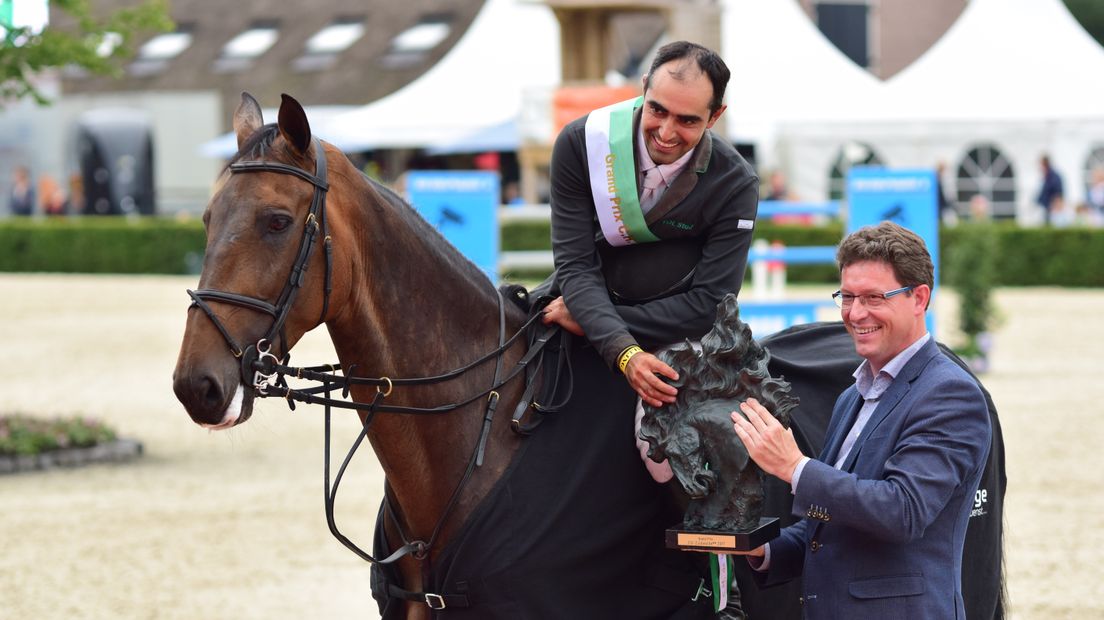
{"x":851,"y":154}
{"x":986,"y":173}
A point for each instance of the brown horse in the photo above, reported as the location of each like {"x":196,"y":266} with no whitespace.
{"x":394,"y":280}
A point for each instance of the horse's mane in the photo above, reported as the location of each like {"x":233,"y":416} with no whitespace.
{"x":434,"y":240}
{"x":257,"y":146}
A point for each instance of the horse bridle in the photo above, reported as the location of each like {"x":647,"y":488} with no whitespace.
{"x":265,"y":372}
{"x":314,"y":226}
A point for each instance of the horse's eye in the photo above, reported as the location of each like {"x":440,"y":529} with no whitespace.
{"x":278,"y":223}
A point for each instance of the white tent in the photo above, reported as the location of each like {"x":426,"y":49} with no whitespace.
{"x":783,"y":70}
{"x":1004,"y":59}
{"x":1017,"y":75}
{"x":510,"y":47}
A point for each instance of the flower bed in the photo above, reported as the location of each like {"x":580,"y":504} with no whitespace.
{"x":28,"y":443}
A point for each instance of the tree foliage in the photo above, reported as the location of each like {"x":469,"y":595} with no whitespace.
{"x":89,"y":42}
{"x":1091,"y":15}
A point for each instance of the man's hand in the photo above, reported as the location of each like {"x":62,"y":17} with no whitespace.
{"x":772,"y":447}
{"x":641,"y":373}
{"x":556,"y":312}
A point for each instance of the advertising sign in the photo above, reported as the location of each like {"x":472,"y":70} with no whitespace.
{"x":905,"y":196}
{"x":462,"y":205}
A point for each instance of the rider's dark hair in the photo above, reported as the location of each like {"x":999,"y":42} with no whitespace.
{"x":707,"y":60}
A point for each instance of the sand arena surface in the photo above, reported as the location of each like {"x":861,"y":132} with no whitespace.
{"x":230,"y":525}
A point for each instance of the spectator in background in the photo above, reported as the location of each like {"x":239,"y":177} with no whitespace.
{"x":53,"y":197}
{"x":1050,"y":194}
{"x":76,"y":193}
{"x":980,"y":210}
{"x":1088,"y":216}
{"x":947,"y":213}
{"x":1096,"y":191}
{"x":511,"y":194}
{"x":776,"y":187}
{"x":22,"y":199}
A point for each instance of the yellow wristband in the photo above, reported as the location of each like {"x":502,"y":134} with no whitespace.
{"x":626,"y":355}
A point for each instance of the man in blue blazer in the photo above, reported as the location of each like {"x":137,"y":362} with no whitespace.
{"x":886,"y":504}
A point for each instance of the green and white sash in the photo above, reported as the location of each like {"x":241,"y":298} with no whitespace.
{"x":610,"y":160}
{"x":723,"y":575}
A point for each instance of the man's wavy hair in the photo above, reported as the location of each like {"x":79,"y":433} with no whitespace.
{"x":903,"y":250}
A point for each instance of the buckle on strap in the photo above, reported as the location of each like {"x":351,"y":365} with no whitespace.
{"x":703,"y":590}
{"x":434,"y":601}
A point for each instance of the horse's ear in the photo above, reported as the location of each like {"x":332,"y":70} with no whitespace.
{"x":293,"y":123}
{"x":247,"y":118}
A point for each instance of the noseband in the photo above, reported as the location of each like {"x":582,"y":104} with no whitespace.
{"x":314,"y":226}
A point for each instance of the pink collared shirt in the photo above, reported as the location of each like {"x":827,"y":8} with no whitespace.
{"x":667,"y":172}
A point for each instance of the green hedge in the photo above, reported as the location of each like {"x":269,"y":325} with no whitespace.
{"x":1050,"y":257}
{"x":1027,"y":257}
{"x":101,"y":245}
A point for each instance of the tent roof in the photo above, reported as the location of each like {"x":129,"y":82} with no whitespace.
{"x":505,"y":136}
{"x":1001,"y":60}
{"x":510,"y":46}
{"x":784,"y":69}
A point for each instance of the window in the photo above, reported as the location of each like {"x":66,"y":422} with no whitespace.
{"x":238,"y":53}
{"x":337,"y":37}
{"x":986,"y":180}
{"x":323,"y":48}
{"x":846,"y":25}
{"x":155,"y":54}
{"x":852,"y":154}
{"x":412,"y":46}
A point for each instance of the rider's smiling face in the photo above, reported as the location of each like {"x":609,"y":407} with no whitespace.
{"x":676,"y":110}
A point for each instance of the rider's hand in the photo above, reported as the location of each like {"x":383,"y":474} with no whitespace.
{"x":642,"y":371}
{"x":556,"y":312}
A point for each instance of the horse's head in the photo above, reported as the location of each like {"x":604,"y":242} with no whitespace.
{"x":262,"y":285}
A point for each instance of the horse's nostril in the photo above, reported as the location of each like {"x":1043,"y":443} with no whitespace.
{"x":210,"y":391}
{"x":202,"y":395}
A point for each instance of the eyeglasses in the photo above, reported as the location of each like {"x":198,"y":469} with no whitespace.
{"x":870,"y":300}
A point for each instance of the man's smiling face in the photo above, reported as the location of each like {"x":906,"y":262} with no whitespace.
{"x":881,"y":333}
{"x":676,"y":110}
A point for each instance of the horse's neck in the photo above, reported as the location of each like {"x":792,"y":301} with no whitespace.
{"x":417,"y":308}
{"x":417,"y":313}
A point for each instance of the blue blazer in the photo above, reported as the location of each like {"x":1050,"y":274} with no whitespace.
{"x":882,"y":536}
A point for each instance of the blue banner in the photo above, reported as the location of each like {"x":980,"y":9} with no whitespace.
{"x":463,"y":206}
{"x":766,"y":317}
{"x":904,"y":196}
